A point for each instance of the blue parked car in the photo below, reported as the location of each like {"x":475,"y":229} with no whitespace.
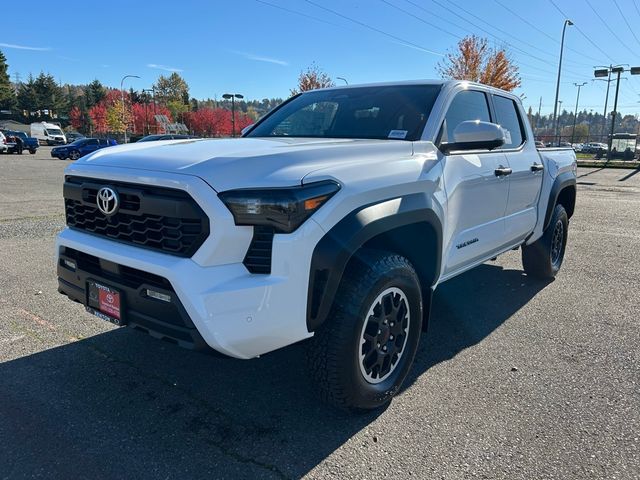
{"x":80,"y":148}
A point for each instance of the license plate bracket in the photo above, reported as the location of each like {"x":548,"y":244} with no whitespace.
{"x":105,"y":302}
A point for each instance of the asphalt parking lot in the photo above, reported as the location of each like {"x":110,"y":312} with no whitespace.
{"x":516,"y":379}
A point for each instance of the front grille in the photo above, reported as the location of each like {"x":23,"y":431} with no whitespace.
{"x":157,"y":218}
{"x":258,"y":257}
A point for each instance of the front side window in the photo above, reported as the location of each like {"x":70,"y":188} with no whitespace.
{"x":467,"y":105}
{"x":397,"y":112}
{"x":508,"y":118}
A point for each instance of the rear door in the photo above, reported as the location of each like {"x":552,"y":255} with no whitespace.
{"x":525,"y":180}
{"x":476,"y":193}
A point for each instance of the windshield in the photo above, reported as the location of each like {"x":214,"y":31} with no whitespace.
{"x":54,"y":131}
{"x":149,"y":138}
{"x":388,"y":112}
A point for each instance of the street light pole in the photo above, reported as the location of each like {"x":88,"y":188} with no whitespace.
{"x":555,"y":104}
{"x":343,"y":79}
{"x":233,"y":97}
{"x":575,"y":113}
{"x":606,"y":72}
{"x":614,"y":114}
{"x":122,"y":93}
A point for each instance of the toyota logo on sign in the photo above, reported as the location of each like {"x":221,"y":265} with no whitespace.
{"x":107,"y":201}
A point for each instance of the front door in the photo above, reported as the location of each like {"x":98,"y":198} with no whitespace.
{"x":476,"y":190}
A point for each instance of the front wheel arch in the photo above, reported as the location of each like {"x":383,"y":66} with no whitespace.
{"x":403,"y":225}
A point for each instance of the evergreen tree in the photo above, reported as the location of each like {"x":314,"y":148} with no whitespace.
{"x":94,"y":93}
{"x":7,"y":94}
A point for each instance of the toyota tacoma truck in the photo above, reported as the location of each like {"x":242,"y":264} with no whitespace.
{"x":333,"y":219}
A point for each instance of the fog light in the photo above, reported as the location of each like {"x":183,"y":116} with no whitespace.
{"x":71,"y":265}
{"x":158,"y":296}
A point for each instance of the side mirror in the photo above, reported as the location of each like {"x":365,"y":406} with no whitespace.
{"x":475,"y":135}
{"x":246,"y":129}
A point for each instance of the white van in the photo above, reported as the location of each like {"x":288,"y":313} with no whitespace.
{"x":48,"y":133}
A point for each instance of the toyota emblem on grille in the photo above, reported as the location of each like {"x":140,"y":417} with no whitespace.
{"x":107,"y":200}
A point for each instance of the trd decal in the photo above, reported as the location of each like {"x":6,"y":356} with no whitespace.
{"x":467,"y":243}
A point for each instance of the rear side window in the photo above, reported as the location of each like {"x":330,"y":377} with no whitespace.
{"x":508,"y":117}
{"x":467,"y":105}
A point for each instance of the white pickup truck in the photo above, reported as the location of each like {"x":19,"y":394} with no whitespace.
{"x":333,"y":219}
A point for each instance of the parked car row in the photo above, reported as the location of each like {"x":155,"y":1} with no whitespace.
{"x":80,"y":148}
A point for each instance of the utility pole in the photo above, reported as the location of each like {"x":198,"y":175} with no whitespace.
{"x":123,"y":107}
{"x":575,"y":113}
{"x":606,"y":72}
{"x":614,"y":114}
{"x":145,"y":92}
{"x":233,"y":97}
{"x":555,"y":104}
{"x":539,"y":109}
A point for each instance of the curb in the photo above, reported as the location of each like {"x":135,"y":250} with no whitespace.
{"x":632,"y":165}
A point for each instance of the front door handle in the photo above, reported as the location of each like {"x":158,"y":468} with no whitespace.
{"x":502,"y":171}
{"x":537,"y":167}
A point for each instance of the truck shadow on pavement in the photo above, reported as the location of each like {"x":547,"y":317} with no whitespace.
{"x":123,"y":405}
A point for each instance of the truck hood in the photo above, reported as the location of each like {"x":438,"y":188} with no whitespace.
{"x":226,"y":164}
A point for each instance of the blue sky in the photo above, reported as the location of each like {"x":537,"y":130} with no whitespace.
{"x":258,"y":47}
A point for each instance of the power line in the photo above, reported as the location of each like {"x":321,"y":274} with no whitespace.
{"x":543,"y":60}
{"x":535,"y":27}
{"x":437,"y":27}
{"x":608,"y":27}
{"x":581,"y":32}
{"x":636,"y":7}
{"x":513,"y":37}
{"x":298,"y":13}
{"x":466,"y":29}
{"x":626,"y":21}
{"x":377,"y":30}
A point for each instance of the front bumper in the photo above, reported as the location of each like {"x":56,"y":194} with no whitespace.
{"x":237,"y":313}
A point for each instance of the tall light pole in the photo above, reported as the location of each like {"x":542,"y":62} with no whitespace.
{"x":343,"y":79}
{"x":575,"y":112}
{"x":555,"y":104}
{"x":618,"y":70}
{"x":122,"y":92}
{"x":233,"y":97}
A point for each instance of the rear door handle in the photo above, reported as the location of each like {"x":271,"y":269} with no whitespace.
{"x":502,"y":171}
{"x":536,"y":167}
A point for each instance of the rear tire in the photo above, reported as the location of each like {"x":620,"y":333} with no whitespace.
{"x":543,"y":258}
{"x":363,"y":352}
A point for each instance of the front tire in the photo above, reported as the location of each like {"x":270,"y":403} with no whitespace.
{"x":543,"y":258}
{"x":363,"y":352}
{"x":74,"y":155}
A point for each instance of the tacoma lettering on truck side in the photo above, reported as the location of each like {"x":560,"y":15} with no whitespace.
{"x":333,"y":219}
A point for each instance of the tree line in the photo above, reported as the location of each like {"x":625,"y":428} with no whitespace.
{"x":97,"y":109}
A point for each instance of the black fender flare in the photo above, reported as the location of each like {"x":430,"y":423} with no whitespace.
{"x":332,"y":253}
{"x":562,"y":181}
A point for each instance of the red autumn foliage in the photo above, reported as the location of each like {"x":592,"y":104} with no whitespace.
{"x":215,"y":122}
{"x":98,"y":115}
{"x":75,"y":115}
{"x":145,"y":125}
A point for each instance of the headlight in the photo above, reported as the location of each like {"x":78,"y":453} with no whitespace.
{"x":285,"y":209}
